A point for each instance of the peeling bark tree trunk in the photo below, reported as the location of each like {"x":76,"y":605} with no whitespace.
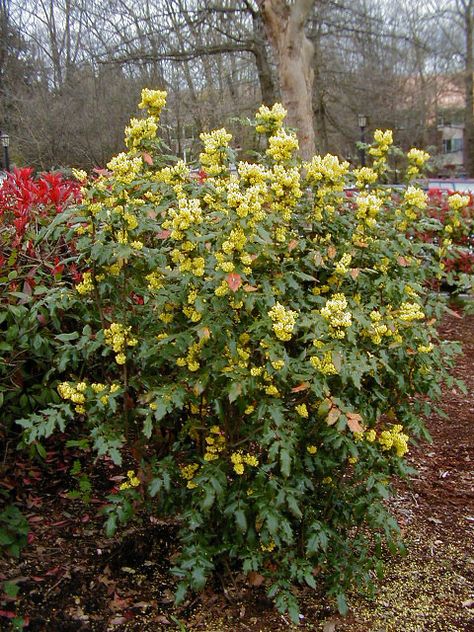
{"x":264,"y":70}
{"x":294,"y":53}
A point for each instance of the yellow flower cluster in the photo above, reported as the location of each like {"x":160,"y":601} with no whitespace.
{"x":383,"y":141}
{"x":336,"y":315}
{"x":394,"y":438}
{"x":175,"y":175}
{"x":368,"y":207}
{"x":239,"y":459}
{"x":79,"y":174}
{"x":302,"y":410}
{"x":75,"y":393}
{"x":311,"y":449}
{"x":370,"y":435}
{"x":153,"y":101}
{"x":417,"y":157}
{"x":415,"y":200}
{"x":125,"y":168}
{"x":283,"y":321}
{"x":133,"y":481}
{"x":282,"y":146}
{"x":416,"y":160}
{"x":457,"y":202}
{"x":286,"y":189}
{"x":118,"y":338}
{"x":214,"y":157}
{"x":189,"y":310}
{"x":248,"y":203}
{"x":86,"y":286}
{"x":140,"y":130}
{"x":408,"y":312}
{"x":188,"y":213}
{"x":215,"y":443}
{"x":188,"y":472}
{"x":425,"y":348}
{"x":365,"y":176}
{"x":326,"y":174}
{"x":268,"y":547}
{"x":155,"y":281}
{"x":269,"y":119}
{"x":278,"y":364}
{"x":380,"y":148}
{"x":378,"y":328}
{"x":235,"y":241}
{"x":191,"y":360}
{"x":342,"y":266}
{"x":252,"y":173}
{"x":328,"y":170}
{"x":324,"y":366}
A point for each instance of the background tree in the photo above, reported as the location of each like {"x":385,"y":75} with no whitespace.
{"x":285,"y":26}
{"x":71,"y":79}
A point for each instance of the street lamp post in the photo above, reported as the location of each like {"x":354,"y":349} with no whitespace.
{"x":5,"y":140}
{"x":362,"y":125}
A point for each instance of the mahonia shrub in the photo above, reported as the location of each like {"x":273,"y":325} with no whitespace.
{"x":255,"y":336}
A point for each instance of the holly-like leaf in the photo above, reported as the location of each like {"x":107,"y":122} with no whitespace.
{"x":234,"y":281}
{"x":337,"y":360}
{"x":234,"y":391}
{"x":204,"y":333}
{"x":318,"y":259}
{"x":333,"y":416}
{"x":332,"y":252}
{"x":292,"y":245}
{"x":324,"y":407}
{"x":147,"y":158}
{"x":353,"y":421}
{"x":301,"y":387}
{"x":250,"y":288}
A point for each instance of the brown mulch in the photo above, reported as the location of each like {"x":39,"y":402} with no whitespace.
{"x":73,"y":579}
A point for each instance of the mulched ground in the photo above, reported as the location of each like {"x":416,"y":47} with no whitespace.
{"x":73,"y":579}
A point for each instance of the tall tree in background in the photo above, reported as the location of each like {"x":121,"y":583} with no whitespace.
{"x":86,"y":61}
{"x":294,"y":52}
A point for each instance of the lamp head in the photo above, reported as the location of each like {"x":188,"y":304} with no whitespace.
{"x":362,"y":118}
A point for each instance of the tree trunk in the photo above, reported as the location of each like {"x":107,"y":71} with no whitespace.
{"x":469,"y":85}
{"x":265,"y":77}
{"x":294,"y":54}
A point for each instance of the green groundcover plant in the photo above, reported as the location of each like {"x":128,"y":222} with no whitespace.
{"x":262,"y":341}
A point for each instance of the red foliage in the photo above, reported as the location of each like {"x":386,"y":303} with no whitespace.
{"x":24,"y":199}
{"x":26,"y":204}
{"x":461,"y":255}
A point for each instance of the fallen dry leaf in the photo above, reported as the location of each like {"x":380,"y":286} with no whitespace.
{"x":255,"y":579}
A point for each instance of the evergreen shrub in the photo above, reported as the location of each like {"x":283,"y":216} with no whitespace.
{"x":262,"y":340}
